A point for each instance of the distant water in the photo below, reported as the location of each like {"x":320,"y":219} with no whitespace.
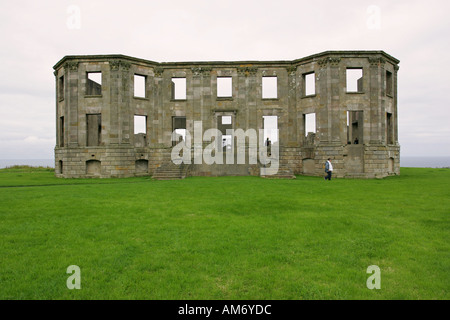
{"x":419,"y":162}
{"x":425,"y":162}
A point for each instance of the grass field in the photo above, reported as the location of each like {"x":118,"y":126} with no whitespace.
{"x":224,"y":238}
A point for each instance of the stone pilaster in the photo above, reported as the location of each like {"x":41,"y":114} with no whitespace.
{"x":71,"y":72}
{"x":376,"y":116}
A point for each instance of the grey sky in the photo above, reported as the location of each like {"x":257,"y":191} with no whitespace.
{"x":37,"y":34}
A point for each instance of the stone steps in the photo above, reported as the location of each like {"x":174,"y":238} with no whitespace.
{"x":170,"y":171}
{"x":283,"y":173}
{"x":355,"y":175}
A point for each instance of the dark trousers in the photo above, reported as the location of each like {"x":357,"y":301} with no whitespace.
{"x":328,"y":177}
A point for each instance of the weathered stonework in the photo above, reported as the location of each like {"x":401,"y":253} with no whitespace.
{"x":95,"y":121}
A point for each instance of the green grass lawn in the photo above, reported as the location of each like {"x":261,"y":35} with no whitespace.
{"x":225,"y":237}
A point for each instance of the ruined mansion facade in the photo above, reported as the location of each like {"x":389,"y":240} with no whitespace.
{"x":120,"y":116}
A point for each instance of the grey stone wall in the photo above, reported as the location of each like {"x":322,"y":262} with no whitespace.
{"x":118,"y":152}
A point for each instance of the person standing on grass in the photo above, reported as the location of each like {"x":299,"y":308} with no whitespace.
{"x":328,"y":169}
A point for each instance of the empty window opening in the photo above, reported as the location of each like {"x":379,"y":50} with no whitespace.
{"x":354,"y":77}
{"x":179,"y":88}
{"x":224,"y":87}
{"x":226,"y":119}
{"x":140,"y":131}
{"x":181,"y":135}
{"x":310,"y":84}
{"x":61,"y":131}
{"x":355,"y":122}
{"x":61,"y":88}
{"x":94,"y":129}
{"x":389,"y":83}
{"x":310,"y":124}
{"x":226,"y":142}
{"x":94,"y":84}
{"x":140,"y":124}
{"x":269,"y":88}
{"x":389,"y":128}
{"x":93,"y":167}
{"x":139,"y":86}
{"x":225,"y":123}
{"x":270,"y":125}
{"x":179,"y":127}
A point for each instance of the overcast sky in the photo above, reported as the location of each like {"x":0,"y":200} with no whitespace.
{"x":36,"y":34}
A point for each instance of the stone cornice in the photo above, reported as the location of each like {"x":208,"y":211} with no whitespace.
{"x":201,"y":71}
{"x":246,"y":71}
{"x":71,"y":66}
{"x":117,"y":64}
{"x":114,"y":64}
{"x":158,"y":71}
{"x":333,"y":61}
{"x":376,"y":61}
{"x":291,"y":70}
{"x":324,"y":57}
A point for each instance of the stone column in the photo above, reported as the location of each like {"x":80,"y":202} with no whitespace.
{"x":57,"y":114}
{"x":396,"y":68}
{"x":206,"y":102}
{"x":157,"y":127}
{"x":71,"y":103}
{"x":201,"y":82}
{"x":115,"y":96}
{"x":247,"y":95}
{"x":323,"y":116}
{"x":376,"y":116}
{"x":124,"y":103}
{"x":334,"y":114}
{"x":292,"y":107}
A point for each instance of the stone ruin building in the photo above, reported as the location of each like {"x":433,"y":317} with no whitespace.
{"x":116,"y":115}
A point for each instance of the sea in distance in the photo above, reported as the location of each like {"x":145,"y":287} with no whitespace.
{"x":416,"y":162}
